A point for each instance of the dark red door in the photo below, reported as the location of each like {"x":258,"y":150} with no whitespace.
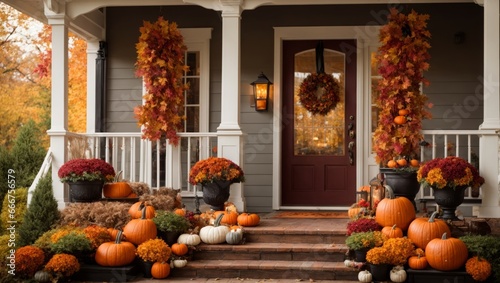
{"x":318,"y":165}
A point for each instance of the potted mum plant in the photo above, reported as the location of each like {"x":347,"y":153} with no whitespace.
{"x":401,"y":60}
{"x":362,"y":242}
{"x":216,"y":174}
{"x":86,"y":178}
{"x":151,"y":251}
{"x":170,"y":225}
{"x":449,"y":177}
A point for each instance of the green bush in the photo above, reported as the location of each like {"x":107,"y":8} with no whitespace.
{"x":13,"y":209}
{"x":41,"y":214}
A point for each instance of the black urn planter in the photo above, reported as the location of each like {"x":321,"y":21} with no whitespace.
{"x":403,"y":184}
{"x":380,"y":272}
{"x":85,"y":191}
{"x":216,"y":194}
{"x":170,"y":237}
{"x":448,"y":200}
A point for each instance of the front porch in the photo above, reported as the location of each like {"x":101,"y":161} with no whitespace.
{"x":160,"y":164}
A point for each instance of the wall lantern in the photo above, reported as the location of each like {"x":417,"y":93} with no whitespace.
{"x":261,"y":88}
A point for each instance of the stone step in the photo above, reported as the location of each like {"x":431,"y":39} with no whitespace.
{"x":272,"y":251}
{"x":267,"y":269}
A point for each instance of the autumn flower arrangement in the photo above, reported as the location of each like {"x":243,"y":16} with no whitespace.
{"x":81,"y":169}
{"x":363,"y":224}
{"x":97,"y":235}
{"x":394,"y":251}
{"x":365,"y":240}
{"x":401,"y":59}
{"x":215,"y":169}
{"x":154,"y":250}
{"x":29,"y":259}
{"x":63,"y":265}
{"x":450,"y":172}
{"x":160,"y":62}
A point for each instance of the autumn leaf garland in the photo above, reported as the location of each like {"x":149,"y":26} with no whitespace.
{"x":160,"y":61}
{"x":402,"y":58}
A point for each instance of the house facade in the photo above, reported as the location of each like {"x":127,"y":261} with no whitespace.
{"x":292,"y":159}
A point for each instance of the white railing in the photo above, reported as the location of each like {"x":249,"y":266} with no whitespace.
{"x":156,"y":163}
{"x":462,"y":143}
{"x":44,"y":169}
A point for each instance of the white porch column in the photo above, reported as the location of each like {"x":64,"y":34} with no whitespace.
{"x":92,"y":48}
{"x":489,"y":163}
{"x":229,"y":131}
{"x":59,"y":98}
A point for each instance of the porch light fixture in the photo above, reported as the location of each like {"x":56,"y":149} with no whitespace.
{"x":261,"y":88}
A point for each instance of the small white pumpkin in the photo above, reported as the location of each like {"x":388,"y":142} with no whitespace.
{"x":398,"y":275}
{"x":234,"y":237}
{"x":348,"y":263}
{"x":189,"y":239}
{"x":365,"y":276}
{"x":180,"y":263}
{"x":215,"y":234}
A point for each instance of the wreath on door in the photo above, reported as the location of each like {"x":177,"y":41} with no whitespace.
{"x":319,"y":92}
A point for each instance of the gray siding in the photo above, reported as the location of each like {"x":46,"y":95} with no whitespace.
{"x":455,"y":74}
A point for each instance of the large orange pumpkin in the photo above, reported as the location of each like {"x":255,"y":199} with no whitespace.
{"x":115,"y":253}
{"x":229,"y":218}
{"x":422,"y":230}
{"x":248,"y":219}
{"x":137,"y":231}
{"x":160,"y":270}
{"x":397,"y":211}
{"x":135,"y":210}
{"x":446,"y":254}
{"x":116,"y":190}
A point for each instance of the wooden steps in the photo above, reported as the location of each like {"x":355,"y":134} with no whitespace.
{"x":278,"y":249}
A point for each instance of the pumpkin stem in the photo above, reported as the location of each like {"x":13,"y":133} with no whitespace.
{"x":118,"y":176}
{"x":444,"y":236}
{"x":390,"y":192}
{"x":394,"y":227}
{"x":118,"y":238}
{"x":218,"y":219}
{"x":143,"y":212}
{"x":433,"y":215}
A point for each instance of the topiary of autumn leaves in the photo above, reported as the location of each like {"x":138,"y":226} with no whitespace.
{"x":160,"y":61}
{"x":401,"y":59}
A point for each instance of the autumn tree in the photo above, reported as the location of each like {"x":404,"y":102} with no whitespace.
{"x":20,"y":94}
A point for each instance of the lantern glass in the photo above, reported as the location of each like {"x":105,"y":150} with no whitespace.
{"x":261,"y":92}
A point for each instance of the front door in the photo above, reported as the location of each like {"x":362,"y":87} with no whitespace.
{"x":318,"y":165}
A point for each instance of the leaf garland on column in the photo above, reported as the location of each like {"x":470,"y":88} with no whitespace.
{"x":160,"y":62}
{"x":402,"y":59}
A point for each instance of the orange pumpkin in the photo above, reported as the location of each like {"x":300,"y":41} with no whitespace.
{"x":354,"y":212}
{"x":402,"y":162}
{"x":116,"y":190}
{"x":418,"y":262}
{"x":478,"y":268}
{"x":180,"y":211}
{"x":392,"y":232}
{"x":392,"y":164}
{"x":414,"y":163}
{"x":179,"y":249}
{"x":160,"y":270}
{"x":115,"y":253}
{"x":113,"y":232}
{"x":140,"y":230}
{"x":446,"y":254}
{"x":422,"y":230}
{"x":248,"y":219}
{"x":403,"y":112}
{"x":400,"y":120}
{"x":229,"y":218}
{"x":395,"y":211}
{"x":135,"y":210}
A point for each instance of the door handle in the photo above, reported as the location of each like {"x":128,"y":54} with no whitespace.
{"x":351,"y":152}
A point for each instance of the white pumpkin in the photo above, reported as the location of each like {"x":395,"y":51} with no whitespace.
{"x":365,"y":276}
{"x":398,"y":275}
{"x":215,"y":234}
{"x":189,"y":239}
{"x":179,"y":263}
{"x":234,"y":237}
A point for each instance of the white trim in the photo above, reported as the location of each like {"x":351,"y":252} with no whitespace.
{"x":365,"y":36}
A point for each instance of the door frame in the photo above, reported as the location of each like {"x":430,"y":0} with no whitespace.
{"x":367,"y":40}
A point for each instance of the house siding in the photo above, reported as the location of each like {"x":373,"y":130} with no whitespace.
{"x":455,"y":74}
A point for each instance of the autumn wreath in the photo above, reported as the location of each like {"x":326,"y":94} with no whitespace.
{"x":319,"y":93}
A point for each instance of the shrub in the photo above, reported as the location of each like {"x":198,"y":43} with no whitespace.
{"x":29,"y":259}
{"x":63,"y":265}
{"x":41,"y":214}
{"x":13,"y":208}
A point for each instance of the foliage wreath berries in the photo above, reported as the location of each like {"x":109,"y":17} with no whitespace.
{"x":319,"y":93}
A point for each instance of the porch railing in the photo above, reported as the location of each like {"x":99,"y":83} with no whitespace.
{"x":156,"y":163}
{"x":462,"y":143}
